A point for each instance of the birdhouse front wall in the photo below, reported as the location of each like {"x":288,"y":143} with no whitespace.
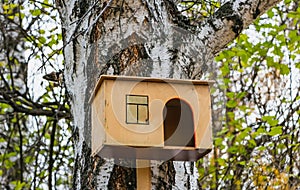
{"x":131,"y":113}
{"x":119,"y":130}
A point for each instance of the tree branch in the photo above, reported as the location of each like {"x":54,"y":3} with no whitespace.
{"x":34,"y":111}
{"x":228,"y":22}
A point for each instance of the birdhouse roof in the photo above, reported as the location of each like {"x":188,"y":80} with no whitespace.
{"x":147,"y":79}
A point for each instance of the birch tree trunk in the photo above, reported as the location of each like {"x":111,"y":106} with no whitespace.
{"x":139,"y":38}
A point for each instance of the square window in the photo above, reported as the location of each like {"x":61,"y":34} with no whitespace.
{"x":137,"y":111}
{"x":131,"y":113}
{"x":143,"y":114}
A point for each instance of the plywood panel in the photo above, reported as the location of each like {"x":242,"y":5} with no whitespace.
{"x":143,"y":174}
{"x":98,"y":121}
{"x":148,"y":128}
{"x":126,"y":133}
{"x":153,"y":153}
{"x":204,"y":131}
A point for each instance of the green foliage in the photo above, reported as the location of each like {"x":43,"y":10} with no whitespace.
{"x":259,"y":80}
{"x":35,"y":141}
{"x":198,"y":10}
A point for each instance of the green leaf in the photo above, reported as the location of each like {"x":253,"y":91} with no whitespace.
{"x":11,"y":154}
{"x":225,"y":70}
{"x":231,"y":104}
{"x":18,"y":185}
{"x":270,"y":120}
{"x":36,"y":12}
{"x":221,"y":162}
{"x":284,"y":69}
{"x":42,"y":40}
{"x":270,"y":13}
{"x":260,"y":131}
{"x":45,"y":4}
{"x":41,"y":31}
{"x":5,"y":7}
{"x":233,"y":149}
{"x":275,"y":131}
{"x":261,"y":148}
{"x":243,"y":163}
{"x":242,"y":136}
{"x":218,"y":141}
{"x":222,"y":132}
{"x":8,"y":164}
{"x":252,"y":143}
{"x":47,"y":136}
{"x":11,"y":17}
{"x":273,"y":122}
{"x":28,"y":159}
{"x":231,"y":115}
{"x":220,"y":57}
{"x":59,"y":181}
{"x":59,"y":37}
{"x":241,"y":95}
{"x":230,"y":95}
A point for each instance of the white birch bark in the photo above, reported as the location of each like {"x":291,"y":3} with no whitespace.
{"x":94,"y":32}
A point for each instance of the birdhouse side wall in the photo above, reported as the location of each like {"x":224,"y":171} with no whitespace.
{"x":203,"y":134}
{"x":98,"y":120}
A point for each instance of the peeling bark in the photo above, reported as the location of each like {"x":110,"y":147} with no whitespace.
{"x":139,"y":38}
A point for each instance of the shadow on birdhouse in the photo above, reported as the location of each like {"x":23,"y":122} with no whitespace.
{"x":151,"y":118}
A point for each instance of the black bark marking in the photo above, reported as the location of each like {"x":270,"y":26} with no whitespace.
{"x":166,"y":178}
{"x":83,"y":166}
{"x":86,"y":167}
{"x":80,"y":8}
{"x":257,"y":11}
{"x":238,"y":24}
{"x":227,"y":12}
{"x":149,"y":10}
{"x":133,"y":58}
{"x":210,"y":22}
{"x":75,"y":55}
{"x":60,"y":3}
{"x":97,"y":163}
{"x":173,"y":54}
{"x":224,"y":11}
{"x":91,"y":70}
{"x":123,"y":177}
{"x":177,"y":17}
{"x":75,"y":172}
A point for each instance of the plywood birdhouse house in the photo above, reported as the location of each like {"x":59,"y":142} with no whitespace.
{"x":151,"y":118}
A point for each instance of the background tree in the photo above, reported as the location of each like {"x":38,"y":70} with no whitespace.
{"x":35,"y":146}
{"x":256,"y":122}
{"x":258,"y":146}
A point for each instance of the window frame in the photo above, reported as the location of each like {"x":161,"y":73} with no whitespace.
{"x":137,"y":109}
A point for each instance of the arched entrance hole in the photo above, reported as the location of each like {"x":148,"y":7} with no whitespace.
{"x":178,"y":124}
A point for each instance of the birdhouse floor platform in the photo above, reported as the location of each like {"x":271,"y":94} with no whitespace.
{"x":153,"y":153}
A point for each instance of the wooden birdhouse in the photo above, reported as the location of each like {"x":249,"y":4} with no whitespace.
{"x":151,"y":118}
